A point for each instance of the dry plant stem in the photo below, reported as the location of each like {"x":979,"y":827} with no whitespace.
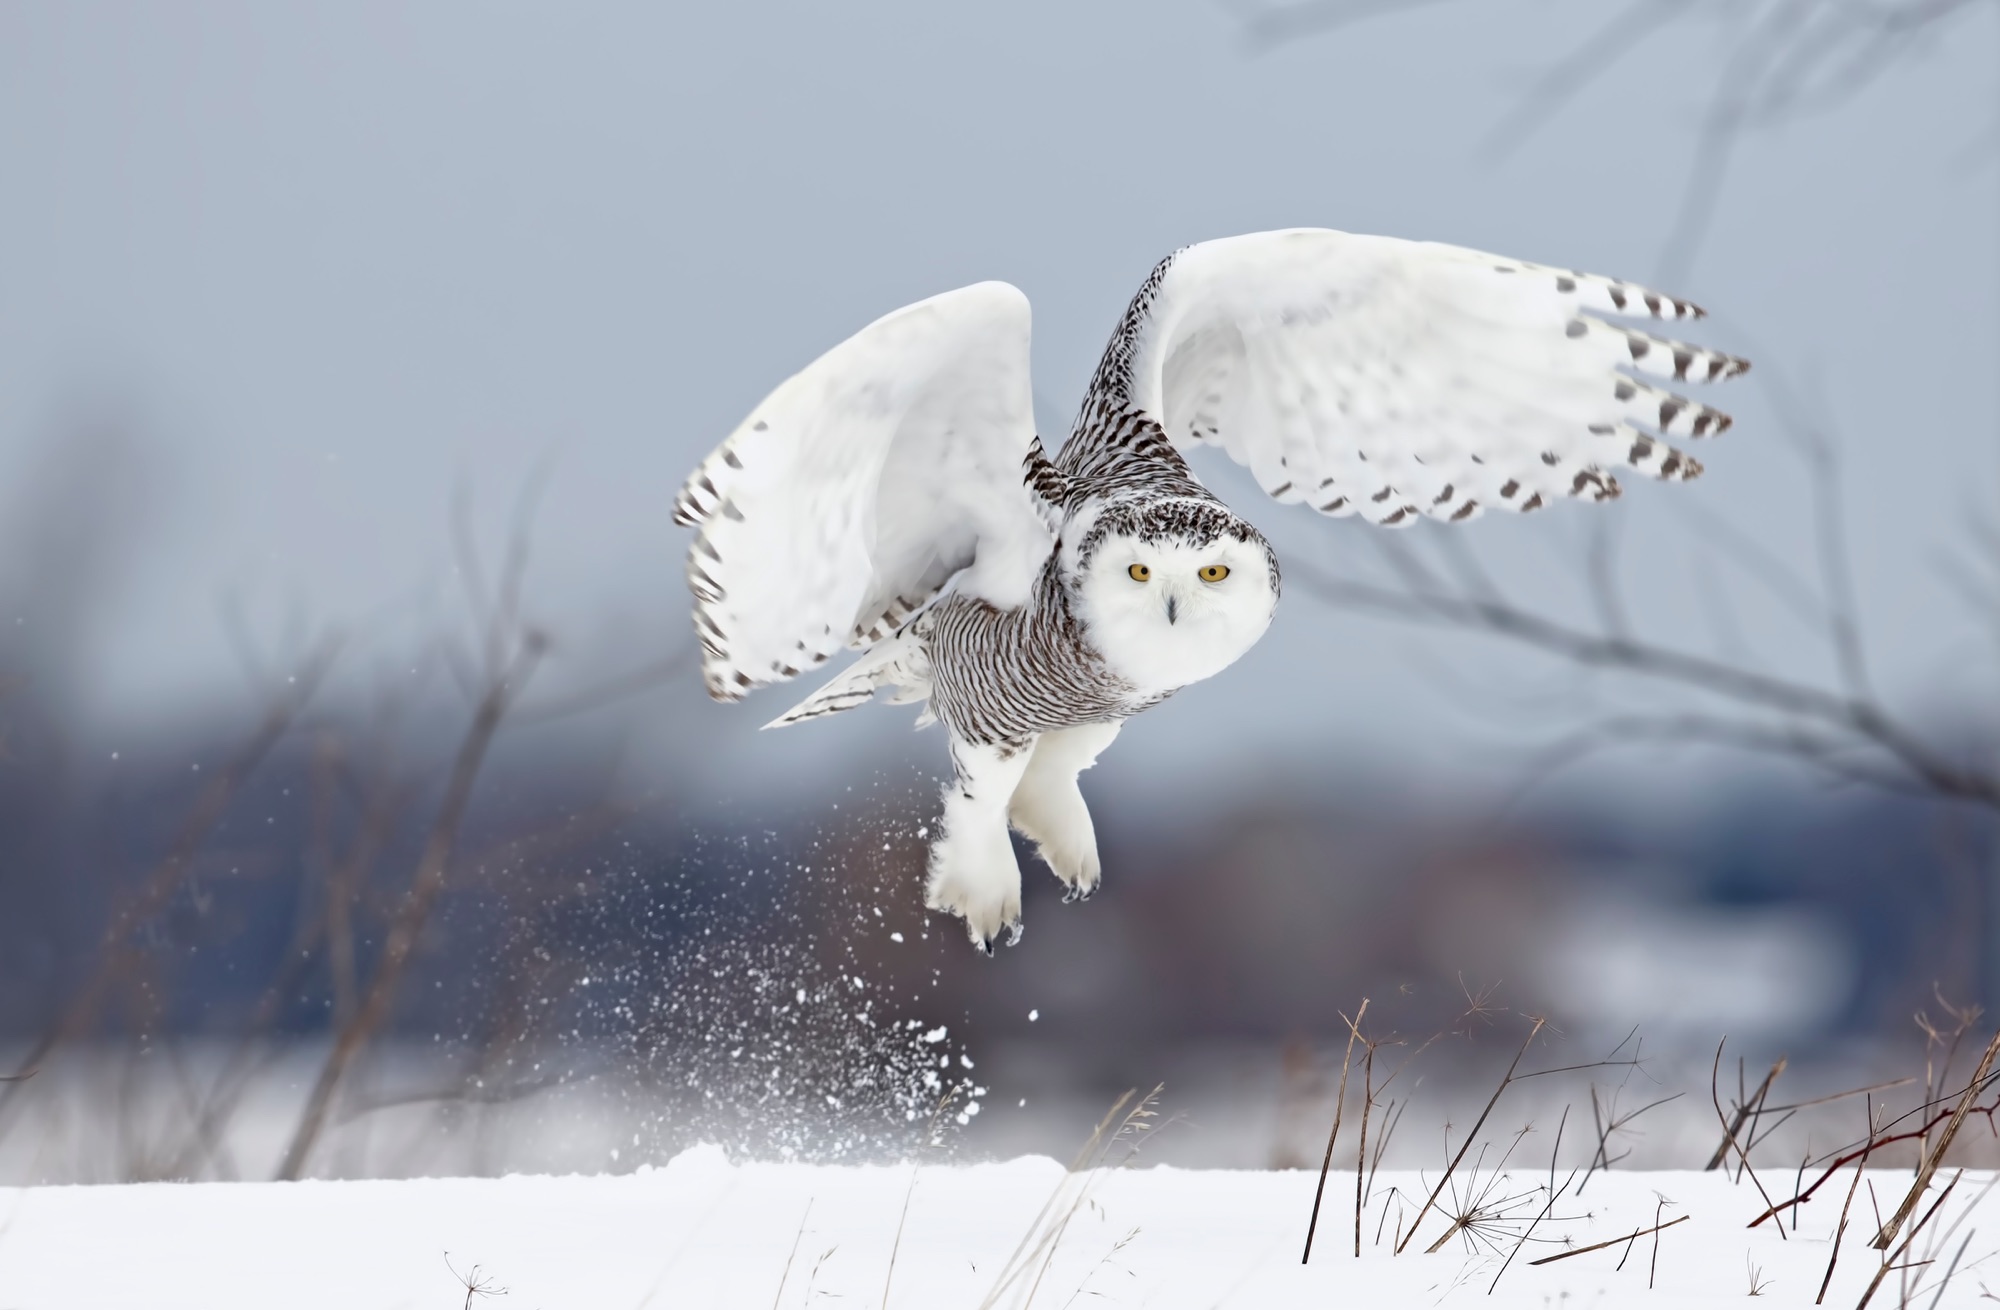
{"x":1869,"y":1090}
{"x":1102,"y":1261}
{"x":116,"y":955}
{"x":1744,"y":1112}
{"x":1041,"y":1239}
{"x":1893,"y":1261}
{"x":426,"y":884}
{"x":897,"y":1245}
{"x":1850,"y":1157}
{"x":1138,"y":1112}
{"x":1361,"y":1150}
{"x":1841,"y":1231}
{"x":1339,"y":1103}
{"x":1927,"y":1167}
{"x":1609,"y":1121}
{"x":1008,"y":1271}
{"x":474,"y":1283}
{"x":1935,"y":1075}
{"x":1554,"y":1194}
{"x":1392,"y":1114}
{"x":1507,"y":1078}
{"x":797,"y":1237}
{"x":1599,"y":1246}
{"x":1715,"y":1098}
{"x":1653,"y":1268}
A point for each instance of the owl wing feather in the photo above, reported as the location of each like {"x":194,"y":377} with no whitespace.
{"x":855,"y":491}
{"x":1397,"y":379}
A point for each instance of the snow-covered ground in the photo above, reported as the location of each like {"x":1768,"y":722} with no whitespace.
{"x":702,"y":1232}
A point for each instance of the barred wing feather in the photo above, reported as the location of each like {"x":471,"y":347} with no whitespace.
{"x":862,"y":485}
{"x":1397,"y":379}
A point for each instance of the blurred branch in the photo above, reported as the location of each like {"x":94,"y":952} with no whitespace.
{"x":1852,"y":720}
{"x":1783,"y":60}
{"x":427,"y":883}
{"x":329,"y":931}
{"x":9,"y":683}
{"x":1845,"y":731}
{"x":117,"y":954}
{"x":512,"y":651}
{"x":1267,"y":26}
{"x":611,"y":691}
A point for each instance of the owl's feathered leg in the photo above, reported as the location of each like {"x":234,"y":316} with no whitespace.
{"x":1048,"y":806}
{"x":973,"y":873}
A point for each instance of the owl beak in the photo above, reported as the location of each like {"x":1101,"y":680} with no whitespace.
{"x":1173,"y":603}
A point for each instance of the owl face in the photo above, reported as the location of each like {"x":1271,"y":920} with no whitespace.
{"x":1172,"y":603}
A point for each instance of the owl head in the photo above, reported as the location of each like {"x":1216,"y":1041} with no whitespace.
{"x":1172,"y":590}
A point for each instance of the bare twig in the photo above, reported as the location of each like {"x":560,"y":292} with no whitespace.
{"x":1745,"y":1109}
{"x":797,"y":1237}
{"x":897,"y":1246}
{"x":1038,"y":1243}
{"x":426,"y":885}
{"x":1741,"y":1154}
{"x":1653,"y":1266}
{"x":1599,"y":1246}
{"x":1361,"y":1149}
{"x":1339,"y":1103}
{"x":1934,"y":1155}
{"x":1505,"y":1079}
{"x":475,"y":1281}
{"x":117,"y":954}
{"x":1554,"y":1194}
{"x":1893,"y":1261}
{"x":1841,"y":1231}
{"x":1842,"y":1161}
{"x":1821,"y":720}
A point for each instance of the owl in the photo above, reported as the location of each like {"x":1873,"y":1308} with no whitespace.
{"x":893,"y":497}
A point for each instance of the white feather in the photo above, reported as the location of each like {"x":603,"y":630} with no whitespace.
{"x":1396,"y":378}
{"x":862,"y":485}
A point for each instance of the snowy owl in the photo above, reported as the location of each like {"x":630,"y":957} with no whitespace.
{"x":893,"y":497}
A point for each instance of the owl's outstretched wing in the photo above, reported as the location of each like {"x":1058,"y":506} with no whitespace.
{"x":860,"y":486}
{"x":1393,"y":379}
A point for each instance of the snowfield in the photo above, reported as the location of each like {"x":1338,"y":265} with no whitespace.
{"x":701,"y":1232}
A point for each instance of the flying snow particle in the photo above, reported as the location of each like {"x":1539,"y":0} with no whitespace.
{"x":1034,"y":1015}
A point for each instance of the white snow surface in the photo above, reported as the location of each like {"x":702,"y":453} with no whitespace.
{"x":702,"y":1232}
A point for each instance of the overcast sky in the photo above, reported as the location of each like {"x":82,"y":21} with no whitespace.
{"x":327,"y":262}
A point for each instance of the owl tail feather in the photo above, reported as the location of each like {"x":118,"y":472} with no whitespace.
{"x":898,"y":663}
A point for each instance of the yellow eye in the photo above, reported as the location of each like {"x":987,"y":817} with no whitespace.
{"x":1139,"y":572}
{"x":1215,"y":573}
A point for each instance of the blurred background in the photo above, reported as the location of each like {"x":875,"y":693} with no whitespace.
{"x":361,"y":812}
